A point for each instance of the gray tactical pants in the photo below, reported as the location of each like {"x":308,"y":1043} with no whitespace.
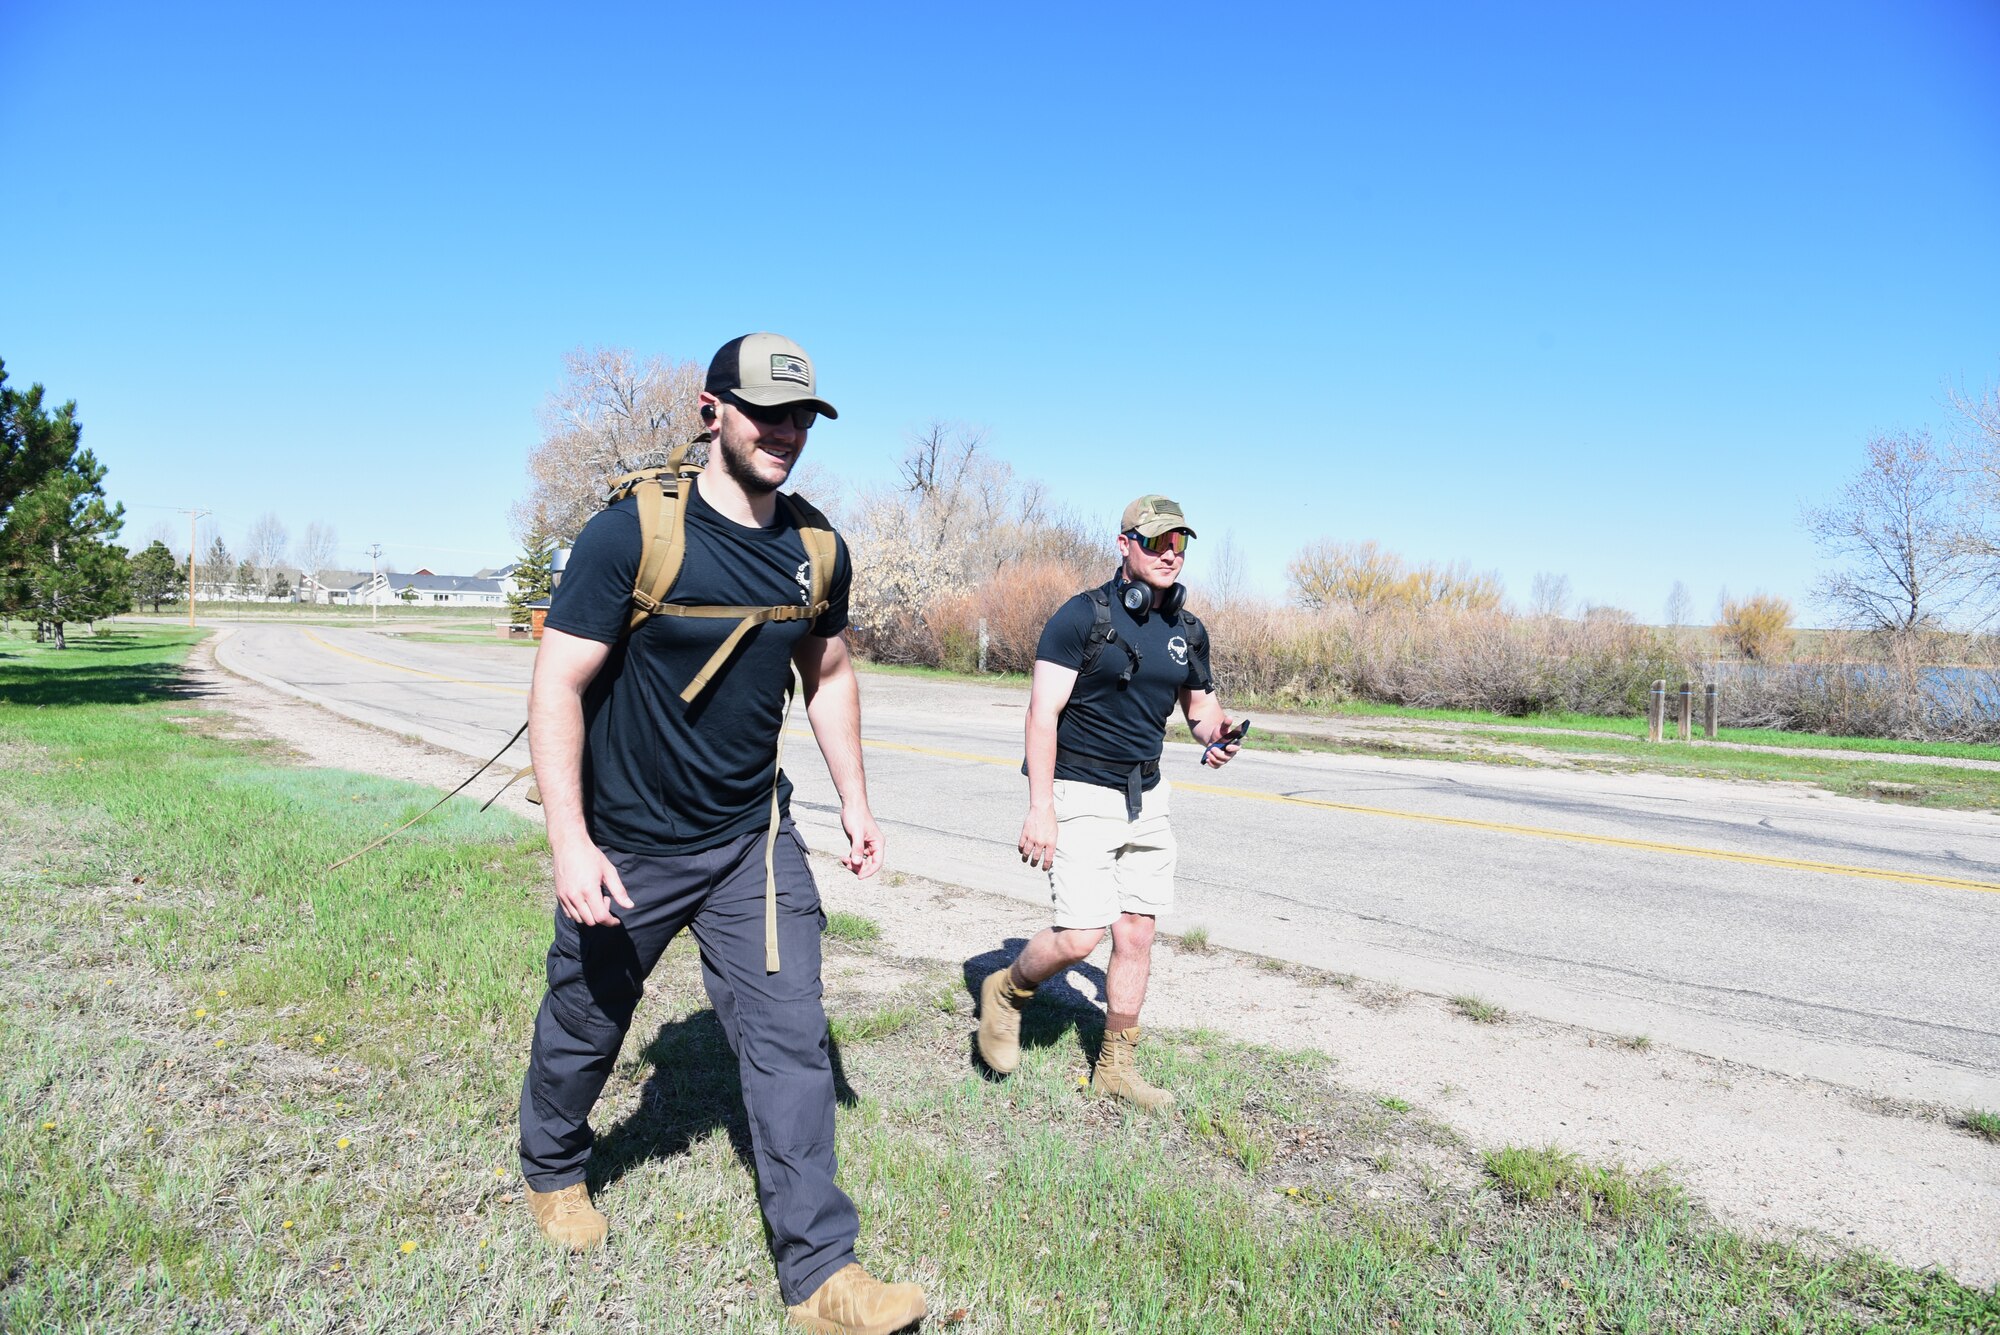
{"x":775,"y":1024}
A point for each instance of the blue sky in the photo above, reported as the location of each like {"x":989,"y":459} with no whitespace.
{"x":1599,"y":290}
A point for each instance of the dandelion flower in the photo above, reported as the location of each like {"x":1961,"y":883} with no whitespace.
{"x":286,"y":1224}
{"x":48,"y":1126}
{"x":319,"y":1040}
{"x":342,"y":1143}
{"x":220,"y":1041}
{"x":201,"y":1012}
{"x":336,"y":1070}
{"x":483,"y":1242}
{"x":221,"y":992}
{"x":151,"y":1130}
{"x":500,"y":1173}
{"x":1291,"y":1191}
{"x":407,"y":1248}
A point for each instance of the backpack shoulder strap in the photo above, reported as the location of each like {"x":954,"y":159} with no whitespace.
{"x":1100,"y":629}
{"x":1197,"y":638}
{"x":822,"y":550}
{"x":660,"y":493}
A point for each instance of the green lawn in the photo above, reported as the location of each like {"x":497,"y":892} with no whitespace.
{"x":243,"y":1093}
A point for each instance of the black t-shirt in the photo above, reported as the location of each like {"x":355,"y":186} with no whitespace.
{"x":1104,"y":719}
{"x":659,"y":775}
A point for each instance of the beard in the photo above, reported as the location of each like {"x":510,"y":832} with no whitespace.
{"x":737,"y":461}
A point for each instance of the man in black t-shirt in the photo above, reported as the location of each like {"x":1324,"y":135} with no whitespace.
{"x":1112,"y":664}
{"x":660,"y":815}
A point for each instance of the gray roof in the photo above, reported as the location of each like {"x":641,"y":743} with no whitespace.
{"x":442,"y":583}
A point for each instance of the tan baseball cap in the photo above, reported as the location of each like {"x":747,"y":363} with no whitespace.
{"x":768,"y":370}
{"x":1150,"y":516}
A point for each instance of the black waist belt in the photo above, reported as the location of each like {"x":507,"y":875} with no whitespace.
{"x":1136,"y":773}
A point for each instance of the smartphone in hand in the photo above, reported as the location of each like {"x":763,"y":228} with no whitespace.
{"x":1234,"y":735}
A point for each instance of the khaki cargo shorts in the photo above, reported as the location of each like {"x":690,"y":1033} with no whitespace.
{"x":1105,"y":864}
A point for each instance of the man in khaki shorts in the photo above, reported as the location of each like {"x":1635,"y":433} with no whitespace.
{"x":1112,"y":663}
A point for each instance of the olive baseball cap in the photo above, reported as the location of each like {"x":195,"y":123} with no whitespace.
{"x":1150,"y":516}
{"x":768,"y":370}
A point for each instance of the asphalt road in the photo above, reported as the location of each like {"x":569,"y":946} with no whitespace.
{"x":1791,"y":930}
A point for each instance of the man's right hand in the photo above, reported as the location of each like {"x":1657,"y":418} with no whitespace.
{"x":1038,"y":838}
{"x":583,"y":874}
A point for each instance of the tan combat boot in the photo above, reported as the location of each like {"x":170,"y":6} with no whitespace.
{"x":1000,"y":1004}
{"x":854,"y":1302}
{"x":1117,"y":1073}
{"x":567,"y":1218}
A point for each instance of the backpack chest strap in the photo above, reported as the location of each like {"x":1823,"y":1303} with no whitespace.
{"x":746,"y":618}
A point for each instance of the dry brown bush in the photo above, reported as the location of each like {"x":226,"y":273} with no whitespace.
{"x":1757,"y":627}
{"x":1015,"y":604}
{"x":1931,"y":688}
{"x":1438,"y":659}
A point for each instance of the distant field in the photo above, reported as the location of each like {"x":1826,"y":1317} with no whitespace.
{"x":247,"y":1093}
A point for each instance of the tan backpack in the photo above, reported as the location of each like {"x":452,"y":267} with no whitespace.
{"x":662,"y":493}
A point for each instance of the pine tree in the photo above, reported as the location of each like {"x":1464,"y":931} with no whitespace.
{"x":156,"y":575}
{"x":531,"y":576}
{"x":59,"y":563}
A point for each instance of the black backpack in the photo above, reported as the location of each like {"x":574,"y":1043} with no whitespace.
{"x":1102,"y":632}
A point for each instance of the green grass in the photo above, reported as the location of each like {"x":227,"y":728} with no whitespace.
{"x":225,"y":1038}
{"x":1921,"y":785}
{"x":1472,"y":1008}
{"x":1943,"y":786}
{"x":492,"y":636}
{"x":1636,"y":728}
{"x":852,"y":927}
{"x":1194,"y":940}
{"x":944,"y":674}
{"x":1552,"y":1174}
{"x":1982,"y":1123}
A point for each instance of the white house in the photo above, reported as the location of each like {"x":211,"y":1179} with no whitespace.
{"x":423,"y":589}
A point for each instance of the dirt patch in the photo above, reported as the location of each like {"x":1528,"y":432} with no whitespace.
{"x":1771,"y":1154}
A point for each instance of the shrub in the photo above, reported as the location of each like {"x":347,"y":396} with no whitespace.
{"x":1757,"y":627}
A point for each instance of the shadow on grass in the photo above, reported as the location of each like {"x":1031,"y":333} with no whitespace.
{"x":36,"y":686}
{"x":1059,"y":1012}
{"x":695,"y":1089}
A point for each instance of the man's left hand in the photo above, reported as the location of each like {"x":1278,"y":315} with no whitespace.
{"x":1215,"y":757}
{"x":864,"y":841}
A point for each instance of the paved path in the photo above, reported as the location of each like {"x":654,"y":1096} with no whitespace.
{"x":1797,"y":931}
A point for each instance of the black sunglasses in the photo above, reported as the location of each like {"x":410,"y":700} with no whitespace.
{"x":799,"y":416}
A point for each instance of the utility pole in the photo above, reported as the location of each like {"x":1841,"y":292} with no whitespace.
{"x":374,"y":578}
{"x":192,"y":515}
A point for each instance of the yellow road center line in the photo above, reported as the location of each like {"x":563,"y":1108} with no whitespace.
{"x":1530,"y":831}
{"x":415,"y":672}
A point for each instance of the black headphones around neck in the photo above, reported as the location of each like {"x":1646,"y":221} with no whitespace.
{"x":1138,"y":598}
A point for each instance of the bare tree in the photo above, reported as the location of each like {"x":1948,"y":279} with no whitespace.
{"x":1975,"y":460}
{"x":1897,"y":529}
{"x":1549,"y":595}
{"x":317,"y":552}
{"x":1679,"y":605}
{"x":265,"y":550}
{"x":612,"y":414}
{"x":1222,"y":580}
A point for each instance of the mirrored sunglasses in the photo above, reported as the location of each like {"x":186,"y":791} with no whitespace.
{"x":799,"y":415}
{"x":1173,"y":540}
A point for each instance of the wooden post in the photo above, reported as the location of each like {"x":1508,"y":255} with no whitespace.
{"x":1708,"y":712}
{"x":1685,"y":728}
{"x":1656,"y":709}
